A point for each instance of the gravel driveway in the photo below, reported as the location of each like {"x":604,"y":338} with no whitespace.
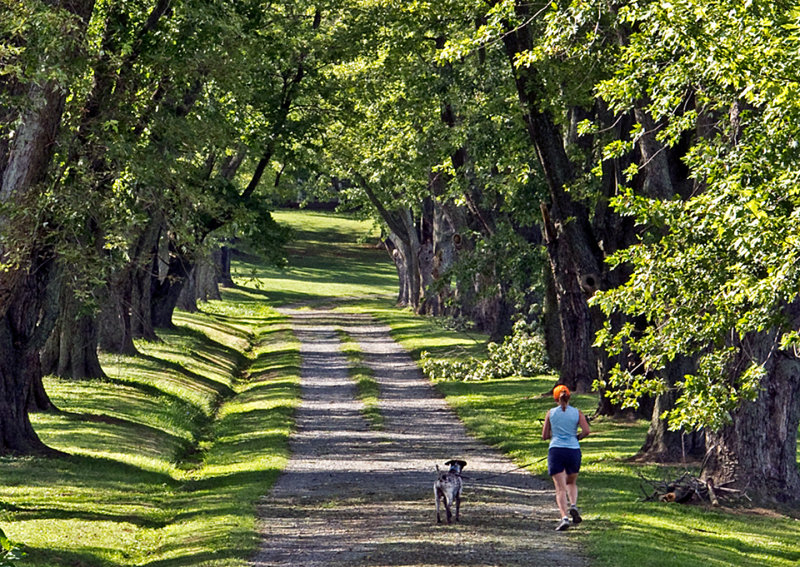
{"x":353,"y":495}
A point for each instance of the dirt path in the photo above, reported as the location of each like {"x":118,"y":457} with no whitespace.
{"x":352,"y":495}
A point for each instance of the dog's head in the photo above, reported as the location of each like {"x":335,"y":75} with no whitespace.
{"x":456,"y":465}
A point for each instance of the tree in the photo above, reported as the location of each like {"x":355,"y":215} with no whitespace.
{"x":716,"y":275}
{"x":128,"y":156}
{"x":35,"y":94}
{"x":418,"y":137}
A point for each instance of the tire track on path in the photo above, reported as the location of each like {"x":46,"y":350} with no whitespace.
{"x":355,"y":496}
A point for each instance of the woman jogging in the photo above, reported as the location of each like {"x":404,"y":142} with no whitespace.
{"x":564,"y":456}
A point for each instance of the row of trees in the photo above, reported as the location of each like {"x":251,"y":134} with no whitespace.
{"x":622,"y":173}
{"x":134,"y":138}
{"x":645,"y":154}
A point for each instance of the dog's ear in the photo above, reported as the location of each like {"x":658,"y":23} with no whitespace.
{"x":462,"y":464}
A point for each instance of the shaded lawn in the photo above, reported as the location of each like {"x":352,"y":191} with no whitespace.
{"x":621,"y":530}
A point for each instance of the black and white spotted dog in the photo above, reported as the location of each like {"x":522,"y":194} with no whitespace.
{"x":447,"y":487}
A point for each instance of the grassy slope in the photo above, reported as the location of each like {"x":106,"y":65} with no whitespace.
{"x":167,"y":457}
{"x":620,"y":530}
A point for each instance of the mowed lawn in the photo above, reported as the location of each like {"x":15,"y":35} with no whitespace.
{"x":167,"y":457}
{"x":333,"y":256}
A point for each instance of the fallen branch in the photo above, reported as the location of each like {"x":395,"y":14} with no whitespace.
{"x":689,"y":489}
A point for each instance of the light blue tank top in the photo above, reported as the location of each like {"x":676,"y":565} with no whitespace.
{"x":564,"y":427}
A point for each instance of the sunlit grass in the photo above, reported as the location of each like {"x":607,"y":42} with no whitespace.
{"x":168,"y":457}
{"x":335,"y":256}
{"x":420,"y":333}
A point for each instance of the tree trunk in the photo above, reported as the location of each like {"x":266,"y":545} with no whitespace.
{"x":39,"y":399}
{"x":661,"y":444}
{"x":578,"y":363}
{"x":412,"y":255}
{"x":450,"y":225}
{"x":145,"y":275}
{"x":444,"y":255}
{"x":24,"y":328}
{"x":26,"y":165}
{"x":552,"y":322}
{"x":25,"y":317}
{"x":575,"y":257}
{"x":400,"y":264}
{"x":757,"y":452}
{"x":187,"y":300}
{"x":226,"y":279}
{"x":165,"y":292}
{"x":426,"y":258}
{"x":404,"y":257}
{"x":73,"y":343}
{"x":114,"y":331}
{"x":207,"y":277}
{"x":126,"y":312}
{"x":19,"y":365}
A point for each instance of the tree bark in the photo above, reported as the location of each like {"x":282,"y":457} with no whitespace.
{"x":187,"y":300}
{"x":578,"y":362}
{"x":661,"y":444}
{"x":396,"y":254}
{"x":115,"y":331}
{"x":24,"y":328}
{"x":444,"y":257}
{"x":166,"y":291}
{"x":73,"y":342}
{"x":413,"y":248}
{"x":757,"y":452}
{"x":208,"y":277}
{"x":226,"y":279}
{"x":406,"y":243}
{"x":25,"y":317}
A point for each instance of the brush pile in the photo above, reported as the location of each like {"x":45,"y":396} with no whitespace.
{"x":688,"y":489}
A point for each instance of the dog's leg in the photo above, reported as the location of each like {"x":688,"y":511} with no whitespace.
{"x":447,"y":503}
{"x":436,"y":496}
{"x":458,"y":505}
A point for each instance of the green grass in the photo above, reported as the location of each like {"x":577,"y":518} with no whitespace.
{"x":340,"y":255}
{"x":420,"y":333}
{"x":166,"y":458}
{"x":366,"y":386}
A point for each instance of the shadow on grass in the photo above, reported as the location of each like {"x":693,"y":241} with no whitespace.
{"x":89,"y":488}
{"x":655,"y":535}
{"x":50,"y":557}
{"x":22,"y":514}
{"x":133,"y":428}
{"x":218,"y":387}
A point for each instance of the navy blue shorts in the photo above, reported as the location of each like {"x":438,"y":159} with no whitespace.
{"x":560,"y":459}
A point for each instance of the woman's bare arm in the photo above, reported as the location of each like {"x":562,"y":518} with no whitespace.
{"x":546,"y":433}
{"x":583,"y":423}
